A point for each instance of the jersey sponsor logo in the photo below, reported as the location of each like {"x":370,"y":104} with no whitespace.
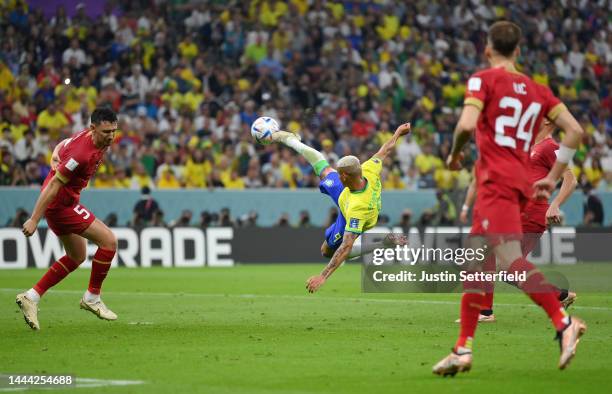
{"x":72,"y":164}
{"x":474,"y":84}
{"x":354,"y":223}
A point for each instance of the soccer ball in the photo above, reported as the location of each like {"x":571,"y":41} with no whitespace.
{"x":263,"y":128}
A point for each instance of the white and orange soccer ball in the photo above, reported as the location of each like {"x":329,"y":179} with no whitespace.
{"x":263,"y":128}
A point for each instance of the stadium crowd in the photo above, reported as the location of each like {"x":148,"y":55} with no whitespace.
{"x":189,"y":77}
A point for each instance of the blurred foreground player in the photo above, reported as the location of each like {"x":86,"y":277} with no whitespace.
{"x":355,"y":188}
{"x":504,"y":107}
{"x":75,"y":161}
{"x":536,"y":215}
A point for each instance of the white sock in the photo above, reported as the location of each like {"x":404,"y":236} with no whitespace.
{"x":33,"y":295}
{"x":91,"y":297}
{"x":313,"y":156}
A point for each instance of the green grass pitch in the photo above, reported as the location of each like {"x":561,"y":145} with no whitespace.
{"x":254,"y":329}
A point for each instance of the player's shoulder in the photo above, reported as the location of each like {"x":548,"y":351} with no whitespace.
{"x":487,"y":74}
{"x":78,"y":147}
{"x":373,"y":162}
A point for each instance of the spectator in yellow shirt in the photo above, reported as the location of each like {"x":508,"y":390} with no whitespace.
{"x":234,"y":181}
{"x":168,"y":180}
{"x":427,"y":162}
{"x":568,"y":91}
{"x":454,"y":92}
{"x":445,"y":179}
{"x":594,"y":172}
{"x":394,"y":181}
{"x":103,"y":179}
{"x":197,"y":171}
{"x":6,"y":77}
{"x":290,"y":172}
{"x":140,"y":178}
{"x":121,"y":181}
{"x":53,"y":120}
{"x":187,"y":48}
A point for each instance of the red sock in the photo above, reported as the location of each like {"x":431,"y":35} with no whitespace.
{"x":471,"y":304}
{"x":541,"y":292}
{"x":487,"y":301}
{"x":489,"y":287}
{"x":99,"y":268}
{"x":58,"y":271}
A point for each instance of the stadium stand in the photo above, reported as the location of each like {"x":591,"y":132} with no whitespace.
{"x":188,"y":78}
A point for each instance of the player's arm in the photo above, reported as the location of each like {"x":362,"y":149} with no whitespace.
{"x":340,"y":255}
{"x":573,"y":135}
{"x":388,"y":146}
{"x":553,"y":214}
{"x":463,"y":132}
{"x":55,"y":159}
{"x":470,"y":196}
{"x":45,"y":198}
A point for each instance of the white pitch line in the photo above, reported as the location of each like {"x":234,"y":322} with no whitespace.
{"x":298,"y":297}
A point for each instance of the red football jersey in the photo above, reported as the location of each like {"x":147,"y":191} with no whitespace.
{"x":513,"y":107}
{"x":542,"y":158}
{"x":79,"y":160}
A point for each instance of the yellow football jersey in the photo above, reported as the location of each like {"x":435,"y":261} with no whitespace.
{"x":361,"y":208}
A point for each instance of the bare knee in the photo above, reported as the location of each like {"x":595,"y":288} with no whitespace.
{"x":109,"y":241}
{"x":77,"y":256}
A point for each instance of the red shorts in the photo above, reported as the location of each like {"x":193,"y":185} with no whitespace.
{"x":497,"y":213}
{"x":72,"y":219}
{"x":534,"y":225}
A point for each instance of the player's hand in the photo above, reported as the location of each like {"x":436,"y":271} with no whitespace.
{"x":403,"y":129}
{"x":453,"y":162}
{"x":463,"y":216}
{"x":553,"y":214}
{"x":314,"y":283}
{"x":29,"y":227}
{"x":543,"y":188}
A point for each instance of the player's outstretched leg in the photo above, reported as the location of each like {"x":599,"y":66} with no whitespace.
{"x":531,"y":237}
{"x":569,"y":330}
{"x":102,"y":236}
{"x":313,"y":156}
{"x":75,"y":247}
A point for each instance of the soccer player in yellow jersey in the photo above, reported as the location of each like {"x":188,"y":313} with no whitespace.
{"x":355,"y":189}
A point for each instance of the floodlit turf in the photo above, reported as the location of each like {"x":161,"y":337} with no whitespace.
{"x":254,"y":329}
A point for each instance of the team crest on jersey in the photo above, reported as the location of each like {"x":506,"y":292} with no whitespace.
{"x":354,"y":223}
{"x":376,"y":161}
{"x":72,"y":164}
{"x":328,"y":183}
{"x":485,"y":224}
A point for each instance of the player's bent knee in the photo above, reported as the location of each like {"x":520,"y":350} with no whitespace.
{"x":78,"y":258}
{"x":109,"y":242}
